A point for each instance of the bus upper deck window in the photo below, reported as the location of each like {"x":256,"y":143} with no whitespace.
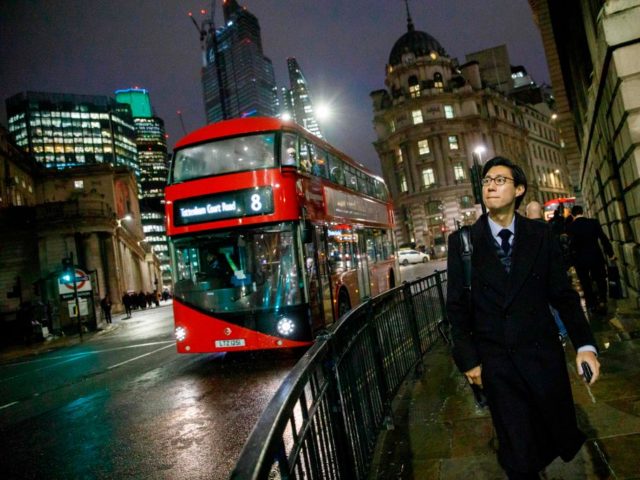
{"x":289,"y":149}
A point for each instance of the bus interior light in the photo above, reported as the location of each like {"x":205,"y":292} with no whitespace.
{"x":285,"y":326}
{"x":181,"y":334}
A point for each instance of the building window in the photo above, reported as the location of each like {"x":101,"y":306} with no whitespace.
{"x":423,"y":147}
{"x":417,"y":117}
{"x":434,"y":208}
{"x":414,"y":86}
{"x":458,"y":172}
{"x":399,"y":158}
{"x":437,"y":81}
{"x":466,"y":201}
{"x":448,"y":111}
{"x":78,"y":184}
{"x":404,"y":188}
{"x":428,"y":177}
{"x":453,"y":142}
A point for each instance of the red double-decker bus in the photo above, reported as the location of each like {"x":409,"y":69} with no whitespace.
{"x":274,"y":234}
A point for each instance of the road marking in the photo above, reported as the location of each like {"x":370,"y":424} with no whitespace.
{"x":75,"y":356}
{"x":140,"y":356}
{"x":8,"y":405}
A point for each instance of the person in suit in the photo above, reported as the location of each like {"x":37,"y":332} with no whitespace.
{"x":586,"y":237}
{"x":533,"y":211}
{"x":504,"y":336}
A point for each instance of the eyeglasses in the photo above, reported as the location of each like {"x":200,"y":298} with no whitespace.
{"x":499,"y":180}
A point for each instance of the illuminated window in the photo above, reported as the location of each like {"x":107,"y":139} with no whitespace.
{"x":423,"y":147}
{"x":458,"y":172}
{"x":428,"y":177}
{"x":417,"y":117}
{"x":78,"y":184}
{"x":399,"y":157}
{"x":403,"y":183}
{"x":453,"y":142}
{"x":448,"y":111}
{"x":437,"y":81}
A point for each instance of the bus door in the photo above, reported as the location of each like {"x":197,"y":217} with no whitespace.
{"x":364,"y":280}
{"x":318,"y":278}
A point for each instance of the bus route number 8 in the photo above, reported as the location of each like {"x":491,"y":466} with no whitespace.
{"x":256,"y":202}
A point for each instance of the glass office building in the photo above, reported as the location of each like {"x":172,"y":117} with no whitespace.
{"x":61,"y":130}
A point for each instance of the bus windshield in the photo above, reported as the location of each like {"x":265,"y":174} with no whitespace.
{"x":224,"y":156}
{"x":238,"y":271}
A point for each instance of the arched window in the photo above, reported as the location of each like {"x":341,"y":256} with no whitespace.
{"x":414,"y":86}
{"x":437,"y":81}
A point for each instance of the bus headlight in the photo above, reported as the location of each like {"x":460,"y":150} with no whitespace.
{"x":285,"y":326}
{"x":181,"y":333}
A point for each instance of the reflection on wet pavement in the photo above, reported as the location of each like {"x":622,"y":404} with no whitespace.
{"x":440,"y":433}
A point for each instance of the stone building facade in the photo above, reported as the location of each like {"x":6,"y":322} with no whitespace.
{"x":593,"y":51}
{"x":436,"y":122}
{"x":90,"y":212}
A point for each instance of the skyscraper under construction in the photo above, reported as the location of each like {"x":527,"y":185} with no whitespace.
{"x":237,"y":79}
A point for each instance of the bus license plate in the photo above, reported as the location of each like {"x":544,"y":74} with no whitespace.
{"x":239,"y":342}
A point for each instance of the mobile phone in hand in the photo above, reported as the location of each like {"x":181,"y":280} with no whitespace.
{"x":587,"y":373}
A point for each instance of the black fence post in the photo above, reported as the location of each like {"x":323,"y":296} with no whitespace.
{"x":413,"y":321}
{"x":378,"y":357}
{"x":344,"y":450}
{"x":443,"y":323}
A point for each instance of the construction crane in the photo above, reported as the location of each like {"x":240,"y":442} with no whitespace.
{"x":207,"y":28}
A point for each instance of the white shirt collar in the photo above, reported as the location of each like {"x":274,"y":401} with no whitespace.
{"x":496,"y":228}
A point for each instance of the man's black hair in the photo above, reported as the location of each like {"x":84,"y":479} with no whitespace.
{"x":519,"y":178}
{"x":576,"y":210}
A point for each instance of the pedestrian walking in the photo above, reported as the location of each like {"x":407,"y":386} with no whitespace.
{"x":504,"y":336}
{"x":586,"y":239}
{"x":105,"y":305}
{"x":127,"y":302}
{"x":533,"y":210}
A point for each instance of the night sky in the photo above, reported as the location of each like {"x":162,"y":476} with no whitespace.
{"x":99,"y":46}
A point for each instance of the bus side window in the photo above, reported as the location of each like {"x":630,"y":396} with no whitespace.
{"x":305,"y":162}
{"x":320,"y":163}
{"x":289,"y":154}
{"x":335,"y":170}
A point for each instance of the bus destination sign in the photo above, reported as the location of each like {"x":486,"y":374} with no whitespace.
{"x":239,"y":203}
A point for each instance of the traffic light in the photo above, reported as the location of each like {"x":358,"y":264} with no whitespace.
{"x":67,"y":269}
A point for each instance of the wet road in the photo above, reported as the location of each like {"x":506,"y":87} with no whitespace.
{"x":419,"y":270}
{"x":125,"y":405}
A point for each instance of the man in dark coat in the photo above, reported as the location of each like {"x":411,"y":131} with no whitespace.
{"x":586,"y":236}
{"x":505,"y":339}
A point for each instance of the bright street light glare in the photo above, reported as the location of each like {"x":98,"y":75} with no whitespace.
{"x":322,"y":112}
{"x":480,"y":150}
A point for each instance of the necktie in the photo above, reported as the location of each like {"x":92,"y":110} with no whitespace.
{"x":505,"y":234}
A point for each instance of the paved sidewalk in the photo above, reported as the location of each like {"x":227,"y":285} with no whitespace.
{"x":440,"y":434}
{"x":54,"y":342}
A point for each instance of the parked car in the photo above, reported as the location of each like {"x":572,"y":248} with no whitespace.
{"x":412,"y":256}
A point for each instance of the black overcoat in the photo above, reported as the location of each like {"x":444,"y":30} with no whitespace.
{"x":507,"y":328}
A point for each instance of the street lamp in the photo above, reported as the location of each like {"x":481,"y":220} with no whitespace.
{"x":475,"y":175}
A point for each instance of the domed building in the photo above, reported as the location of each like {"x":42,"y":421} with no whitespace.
{"x":432,"y":119}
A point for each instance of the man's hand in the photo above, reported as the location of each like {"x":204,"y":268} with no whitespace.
{"x":474,"y":375}
{"x":593,"y":362}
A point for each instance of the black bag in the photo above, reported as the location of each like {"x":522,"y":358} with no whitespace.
{"x":467,"y":250}
{"x":613,"y":276}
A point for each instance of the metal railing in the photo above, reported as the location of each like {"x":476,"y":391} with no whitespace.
{"x":325,"y":418}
